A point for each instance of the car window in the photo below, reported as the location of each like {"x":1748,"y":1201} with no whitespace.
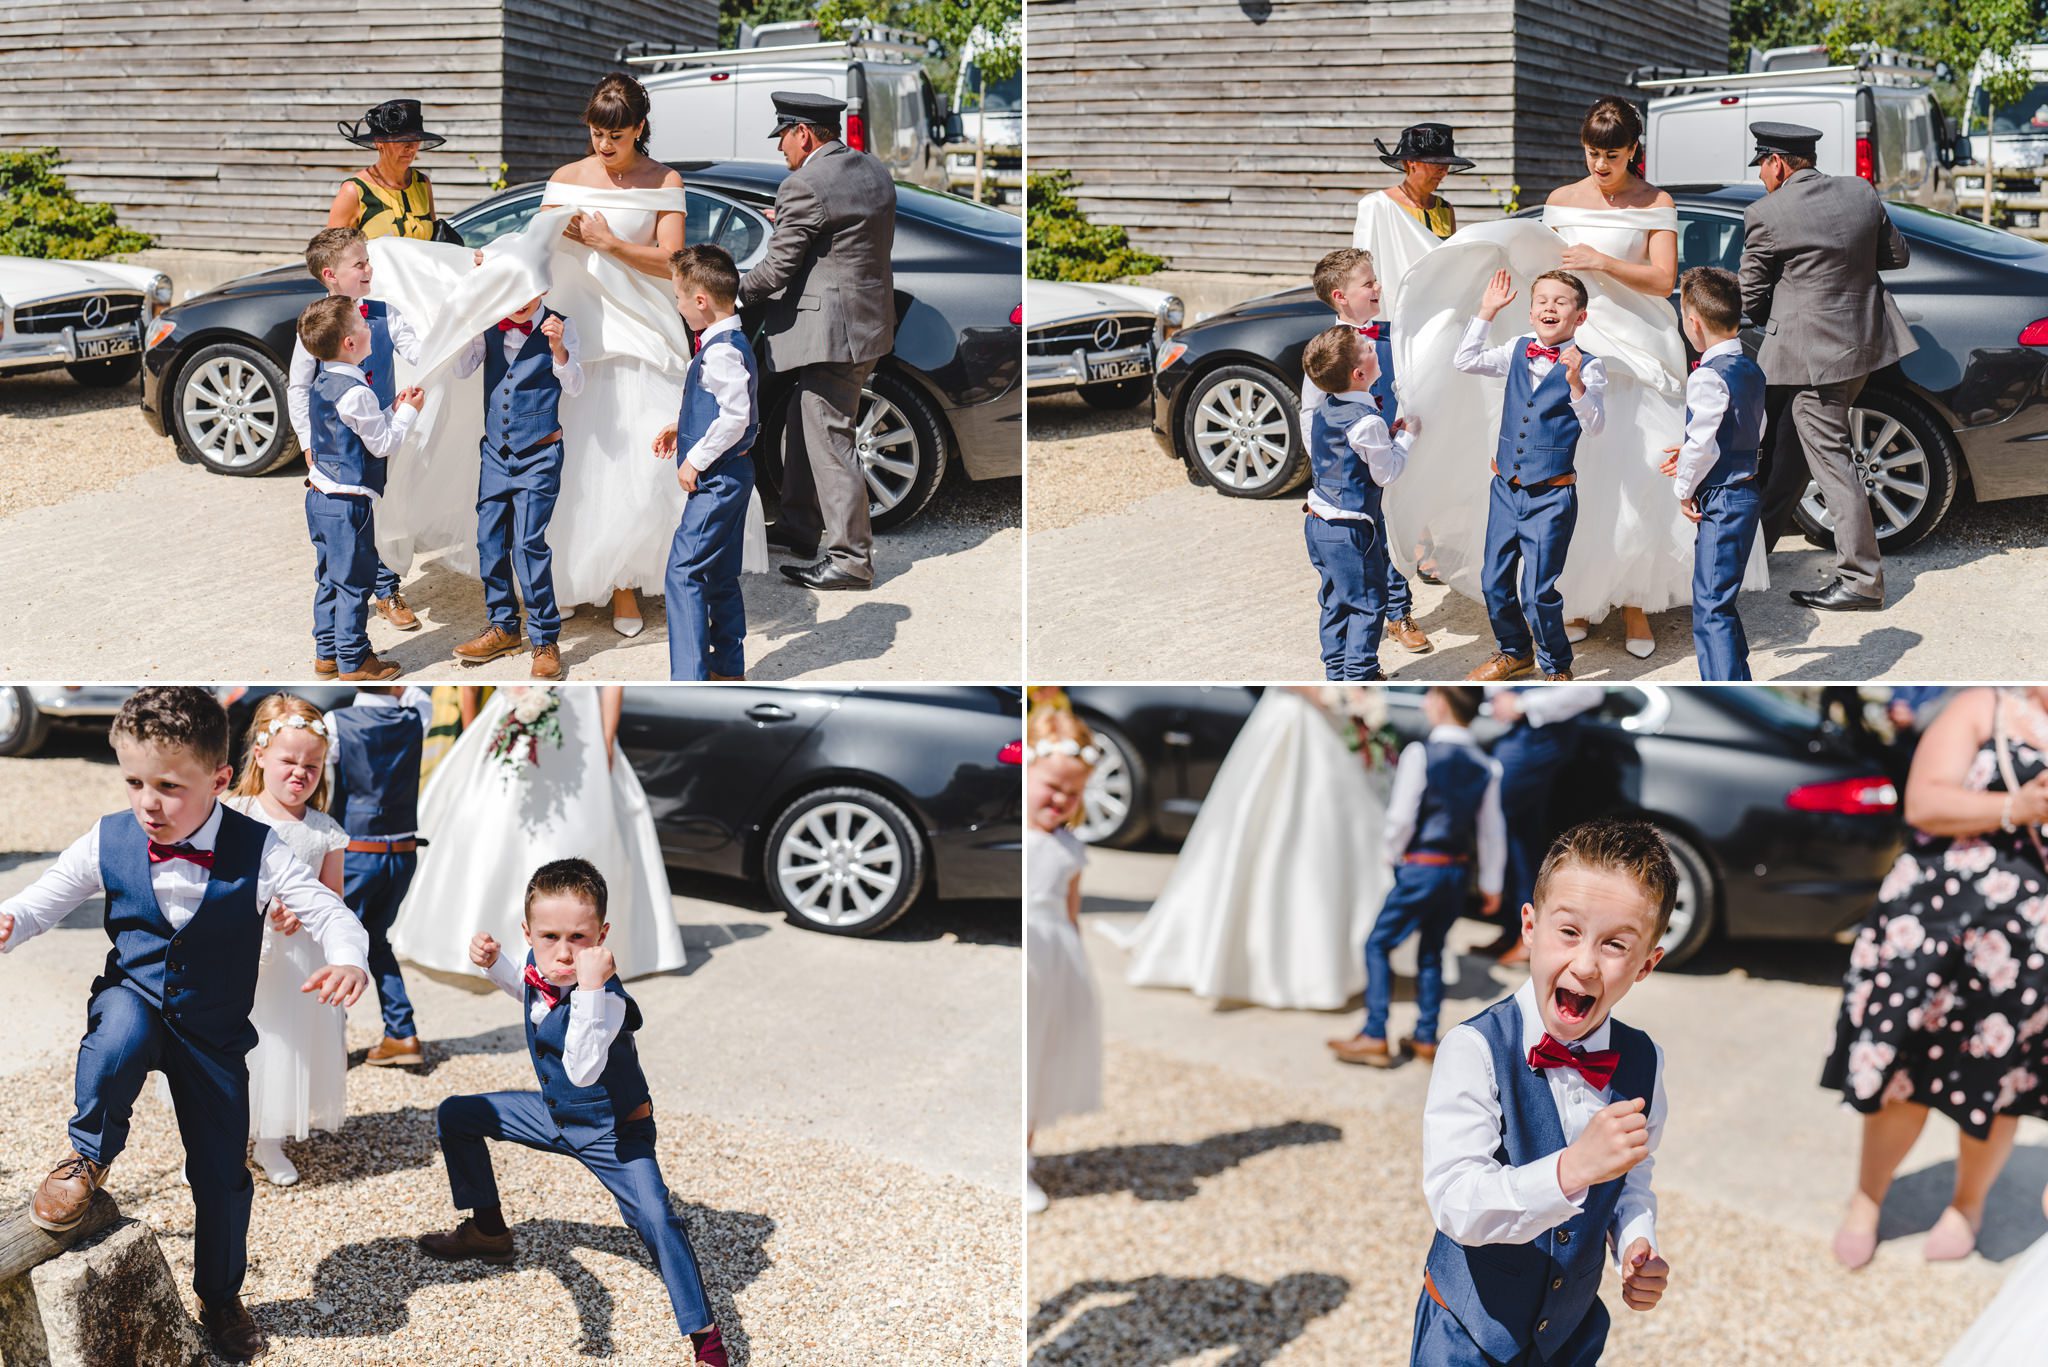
{"x":493,"y":218}
{"x":714,"y":218}
{"x":1706,"y":239}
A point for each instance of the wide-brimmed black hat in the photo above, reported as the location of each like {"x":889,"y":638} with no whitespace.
{"x":1426,"y":142}
{"x":391,"y":121}
{"x":794,"y":108}
{"x":1784,"y":139}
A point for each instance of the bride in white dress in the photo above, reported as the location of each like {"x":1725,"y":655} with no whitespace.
{"x":1633,"y":547}
{"x":489,"y":826}
{"x":598,"y":249}
{"x":1278,"y":883}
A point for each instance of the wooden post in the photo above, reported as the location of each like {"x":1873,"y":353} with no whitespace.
{"x":24,"y":1244}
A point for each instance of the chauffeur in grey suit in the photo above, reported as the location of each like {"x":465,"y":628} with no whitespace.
{"x":1811,"y":251}
{"x":831,"y":314}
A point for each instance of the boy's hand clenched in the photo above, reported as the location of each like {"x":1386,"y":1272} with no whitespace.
{"x":1643,"y":1277}
{"x":1615,"y":1140}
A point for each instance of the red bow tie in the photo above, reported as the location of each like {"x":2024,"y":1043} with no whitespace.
{"x":547,"y":989}
{"x":161,"y":853}
{"x":1533,"y":350}
{"x":363,"y":309}
{"x":507,"y":325}
{"x":1371,"y":330}
{"x":1596,"y":1065}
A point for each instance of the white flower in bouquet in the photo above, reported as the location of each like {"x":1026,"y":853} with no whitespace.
{"x":531,"y":705}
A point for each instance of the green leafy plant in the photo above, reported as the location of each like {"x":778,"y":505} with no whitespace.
{"x":498,"y":179}
{"x":1510,"y":198}
{"x":1061,"y":244}
{"x":39,"y":216}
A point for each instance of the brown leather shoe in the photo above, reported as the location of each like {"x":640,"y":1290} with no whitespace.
{"x":388,"y":1051}
{"x":467,"y":1241}
{"x":1409,"y":636}
{"x":232,"y":1331}
{"x":1373,"y":1053}
{"x":394,"y":611}
{"x":372,"y":670}
{"x":65,"y":1193}
{"x":324,"y":668}
{"x":1425,"y":1052}
{"x":1501,"y":665}
{"x":1562,"y":676}
{"x":547,"y":661}
{"x":727,"y":678}
{"x":494,"y":642}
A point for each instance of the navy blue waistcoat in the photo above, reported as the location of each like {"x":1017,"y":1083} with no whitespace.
{"x":338,"y":453}
{"x":1383,"y":387}
{"x":1741,"y":431}
{"x":1448,"y":820}
{"x":520,"y":397}
{"x":700,"y":408}
{"x":1340,"y":476}
{"x":1511,"y":1296}
{"x":378,"y":767}
{"x":1539,"y":433}
{"x":381,"y":370}
{"x":202,"y":979}
{"x":585,"y":1115}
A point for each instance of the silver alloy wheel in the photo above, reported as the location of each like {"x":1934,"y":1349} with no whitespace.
{"x":1106,"y":801}
{"x":1893,"y":467}
{"x":880,"y":440}
{"x":231,"y":413}
{"x":12,"y":715}
{"x":840,"y":864}
{"x":1685,"y":908}
{"x":1241,"y":433}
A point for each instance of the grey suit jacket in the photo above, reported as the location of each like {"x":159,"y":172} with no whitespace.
{"x":830,"y":290}
{"x":1811,"y":251}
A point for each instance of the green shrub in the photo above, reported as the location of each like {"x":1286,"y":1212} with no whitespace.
{"x":40,"y":217}
{"x":1064,"y":245}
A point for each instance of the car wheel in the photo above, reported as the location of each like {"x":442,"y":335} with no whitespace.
{"x":227,"y":409}
{"x":22,"y":724}
{"x":1241,"y":433}
{"x":1908,"y":462}
{"x":107,"y":374}
{"x":902,"y":448}
{"x":844,"y":860}
{"x":1693,"y":916}
{"x":1113,"y":804}
{"x":1117,"y":393}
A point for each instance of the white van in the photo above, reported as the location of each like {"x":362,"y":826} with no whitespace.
{"x":985,"y":160}
{"x":2018,"y":140}
{"x":714,"y":105}
{"x":1877,"y":119}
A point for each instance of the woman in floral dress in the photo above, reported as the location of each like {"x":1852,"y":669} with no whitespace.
{"x":1945,"y":1005}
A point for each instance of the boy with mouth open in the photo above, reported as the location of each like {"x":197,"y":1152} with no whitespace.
{"x":1543,"y":1116}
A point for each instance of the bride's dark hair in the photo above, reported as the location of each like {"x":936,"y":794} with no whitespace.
{"x":620,"y":101}
{"x":1614,"y":125}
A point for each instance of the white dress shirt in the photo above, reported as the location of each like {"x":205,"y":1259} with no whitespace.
{"x":1475,"y":1200}
{"x":595,"y":1018}
{"x":1475,"y":357}
{"x":382,"y":430}
{"x":1706,"y":402}
{"x":569,"y":373}
{"x":180,"y":886}
{"x":1404,"y":804}
{"x":724,"y":376}
{"x":1553,"y":703}
{"x":304,"y":367}
{"x":1385,"y":455}
{"x":405,"y":700}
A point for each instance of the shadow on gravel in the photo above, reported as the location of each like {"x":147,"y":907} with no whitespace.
{"x":731,"y":1248}
{"x":367,"y":1146}
{"x":1168,"y":1172}
{"x":2012,"y":1212}
{"x":1157,"y":1320}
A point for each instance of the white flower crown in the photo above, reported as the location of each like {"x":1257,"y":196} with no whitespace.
{"x":291,"y":723}
{"x":1073,"y":749}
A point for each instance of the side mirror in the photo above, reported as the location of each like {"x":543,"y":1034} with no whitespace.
{"x":1959,"y":153}
{"x":956,"y":128}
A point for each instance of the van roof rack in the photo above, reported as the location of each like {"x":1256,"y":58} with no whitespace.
{"x":872,"y":42}
{"x":1873,"y":66}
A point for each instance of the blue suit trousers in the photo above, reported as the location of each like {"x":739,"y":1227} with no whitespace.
{"x":1528,"y":532}
{"x":373,"y":886}
{"x":1727,"y":529}
{"x":515,"y":499}
{"x":345,"y":569}
{"x":707,"y":615}
{"x":1350,"y":557}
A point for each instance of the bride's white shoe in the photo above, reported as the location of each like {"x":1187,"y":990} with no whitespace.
{"x":1640,"y":648}
{"x":270,"y":1157}
{"x":628,"y":626}
{"x":1575,"y":631}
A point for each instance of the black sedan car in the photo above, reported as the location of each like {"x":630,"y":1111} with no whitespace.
{"x":213,"y":375}
{"x":1781,"y":827}
{"x":1970,"y":407}
{"x":845,"y":803}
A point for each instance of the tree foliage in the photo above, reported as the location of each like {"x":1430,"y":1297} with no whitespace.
{"x":40,"y":217}
{"x":952,"y":22}
{"x":1061,"y":244}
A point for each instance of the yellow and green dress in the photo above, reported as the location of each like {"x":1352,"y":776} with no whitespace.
{"x":387,"y":213}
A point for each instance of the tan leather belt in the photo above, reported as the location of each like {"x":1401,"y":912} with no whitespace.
{"x":643,"y":1111}
{"x":1557,"y":482}
{"x":382,"y":846}
{"x":1433,"y":858}
{"x":1429,"y":1285}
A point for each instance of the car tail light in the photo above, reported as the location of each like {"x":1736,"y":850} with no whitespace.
{"x":1866,"y":163}
{"x":1846,"y":797}
{"x":160,"y":330}
{"x":1016,"y":315}
{"x":856,"y":133}
{"x":1013,"y":753}
{"x":2035,"y":333}
{"x":1172,"y":352}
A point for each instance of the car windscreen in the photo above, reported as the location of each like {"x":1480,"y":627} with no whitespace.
{"x":2027,"y":114}
{"x":1001,"y":97}
{"x":936,"y":206}
{"x":1963,"y":235}
{"x":1770,"y":708}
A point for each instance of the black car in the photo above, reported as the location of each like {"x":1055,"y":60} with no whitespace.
{"x":1781,"y":827}
{"x":845,"y":802}
{"x":1970,"y":407}
{"x":213,"y":374}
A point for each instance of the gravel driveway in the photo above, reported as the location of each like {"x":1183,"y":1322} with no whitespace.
{"x":101,"y":518}
{"x":1243,"y":1193}
{"x":1137,"y":574}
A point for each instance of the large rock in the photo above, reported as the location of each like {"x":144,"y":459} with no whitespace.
{"x":108,"y":1301}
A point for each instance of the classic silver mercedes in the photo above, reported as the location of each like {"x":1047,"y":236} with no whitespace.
{"x":86,"y":316}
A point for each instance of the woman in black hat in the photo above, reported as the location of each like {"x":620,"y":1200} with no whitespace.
{"x":389,"y":199}
{"x":1425,"y":154}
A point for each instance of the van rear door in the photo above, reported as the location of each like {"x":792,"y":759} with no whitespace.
{"x":754,"y":105}
{"x":1698,"y":139}
{"x":1832,"y":111}
{"x":690,"y":115}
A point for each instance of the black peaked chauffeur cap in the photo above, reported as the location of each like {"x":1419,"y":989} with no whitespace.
{"x":1784,"y":140}
{"x":794,"y":107}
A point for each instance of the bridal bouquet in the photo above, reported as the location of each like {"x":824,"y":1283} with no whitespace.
{"x":1363,"y":712}
{"x":534,"y":718}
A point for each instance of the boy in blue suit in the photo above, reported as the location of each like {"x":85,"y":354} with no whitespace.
{"x":1714,"y":470}
{"x":1555,"y":394}
{"x":1543,"y":1117}
{"x":593,"y":1104}
{"x":712,"y":441}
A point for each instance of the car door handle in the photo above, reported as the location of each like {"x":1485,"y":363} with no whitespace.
{"x":768,"y":711}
